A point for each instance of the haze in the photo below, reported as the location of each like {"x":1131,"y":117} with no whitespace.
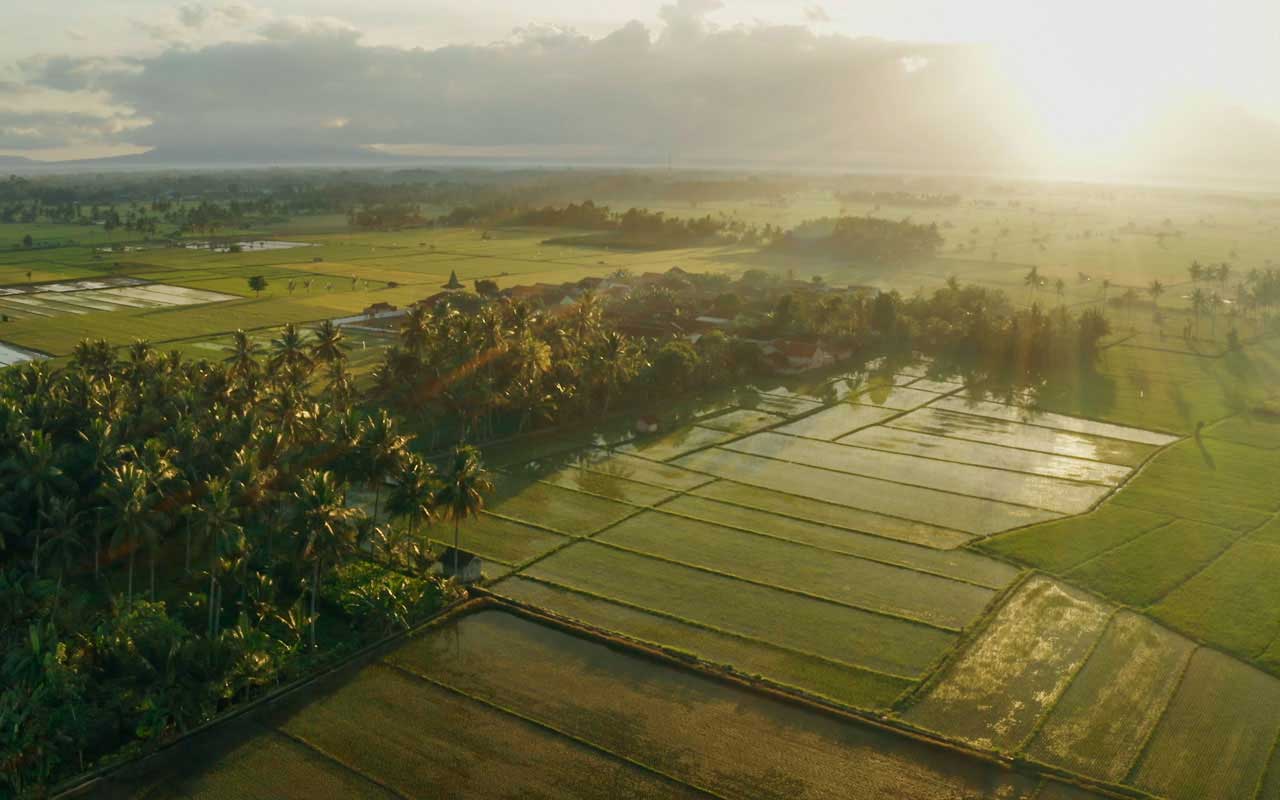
{"x":1087,"y":89}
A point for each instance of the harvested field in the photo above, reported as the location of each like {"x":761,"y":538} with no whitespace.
{"x":996,"y":691}
{"x":1216,"y":738}
{"x":861,"y":638}
{"x":1100,"y":723}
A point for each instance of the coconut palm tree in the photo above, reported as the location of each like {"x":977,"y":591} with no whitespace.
{"x":1199,"y":301}
{"x":125,"y":493}
{"x":326,"y":527}
{"x":245,"y":353}
{"x":462,"y":491}
{"x":382,"y":448}
{"x":289,"y":355}
{"x":328,"y":347}
{"x":218,"y":521}
{"x":413,"y":493}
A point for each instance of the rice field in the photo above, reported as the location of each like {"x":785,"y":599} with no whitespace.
{"x":996,"y":691}
{"x":1099,"y":725}
{"x":1217,"y":735}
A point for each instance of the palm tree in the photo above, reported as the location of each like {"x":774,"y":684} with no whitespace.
{"x":125,"y":492}
{"x":1155,"y":290}
{"x":383,"y":448}
{"x":1032,"y":280}
{"x":218,"y":521}
{"x":289,"y":353}
{"x":328,"y":345}
{"x":58,"y":534}
{"x":1198,"y":303}
{"x":1195,"y":271}
{"x":1060,"y":286}
{"x":614,"y":365}
{"x":415,"y":330}
{"x":461,"y":494}
{"x":414,"y":491}
{"x":245,"y":353}
{"x":327,"y":527}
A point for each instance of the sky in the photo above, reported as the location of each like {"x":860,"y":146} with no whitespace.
{"x":1085,"y":85}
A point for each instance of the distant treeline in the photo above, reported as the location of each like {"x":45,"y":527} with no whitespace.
{"x":905,"y":199}
{"x":861,"y":238}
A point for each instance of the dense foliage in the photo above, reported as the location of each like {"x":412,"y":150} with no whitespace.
{"x":177,"y":537}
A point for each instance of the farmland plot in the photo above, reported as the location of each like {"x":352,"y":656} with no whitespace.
{"x":497,"y":539}
{"x":941,"y":509}
{"x":1143,"y":570}
{"x":677,"y":443}
{"x":858,"y":520}
{"x":959,"y":564}
{"x":640,"y":469}
{"x":742,"y":420}
{"x":705,"y":734}
{"x":933,"y":420}
{"x":1051,"y":494}
{"x":986,"y":455}
{"x":606,"y":485}
{"x":1061,"y":545}
{"x":785,"y":406}
{"x":852,"y":636}
{"x":899,"y":398}
{"x":845,"y":579}
{"x":1101,"y":722}
{"x":1048,"y":419}
{"x":561,"y":510}
{"x":842,"y":683}
{"x":836,"y":421}
{"x":997,"y":690}
{"x":1216,"y":738}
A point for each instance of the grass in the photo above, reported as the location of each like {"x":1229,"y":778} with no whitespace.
{"x":833,"y":576}
{"x":839,"y":682}
{"x":1215,"y":740}
{"x":792,"y":506}
{"x":706,"y":734}
{"x":1148,"y":567}
{"x":806,"y":624}
{"x":996,"y":691}
{"x":1232,"y":602}
{"x":1100,"y":723}
{"x":1060,"y":545}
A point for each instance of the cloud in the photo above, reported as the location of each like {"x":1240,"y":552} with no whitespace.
{"x":816,"y":14}
{"x":193,"y":15}
{"x":312,"y":88}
